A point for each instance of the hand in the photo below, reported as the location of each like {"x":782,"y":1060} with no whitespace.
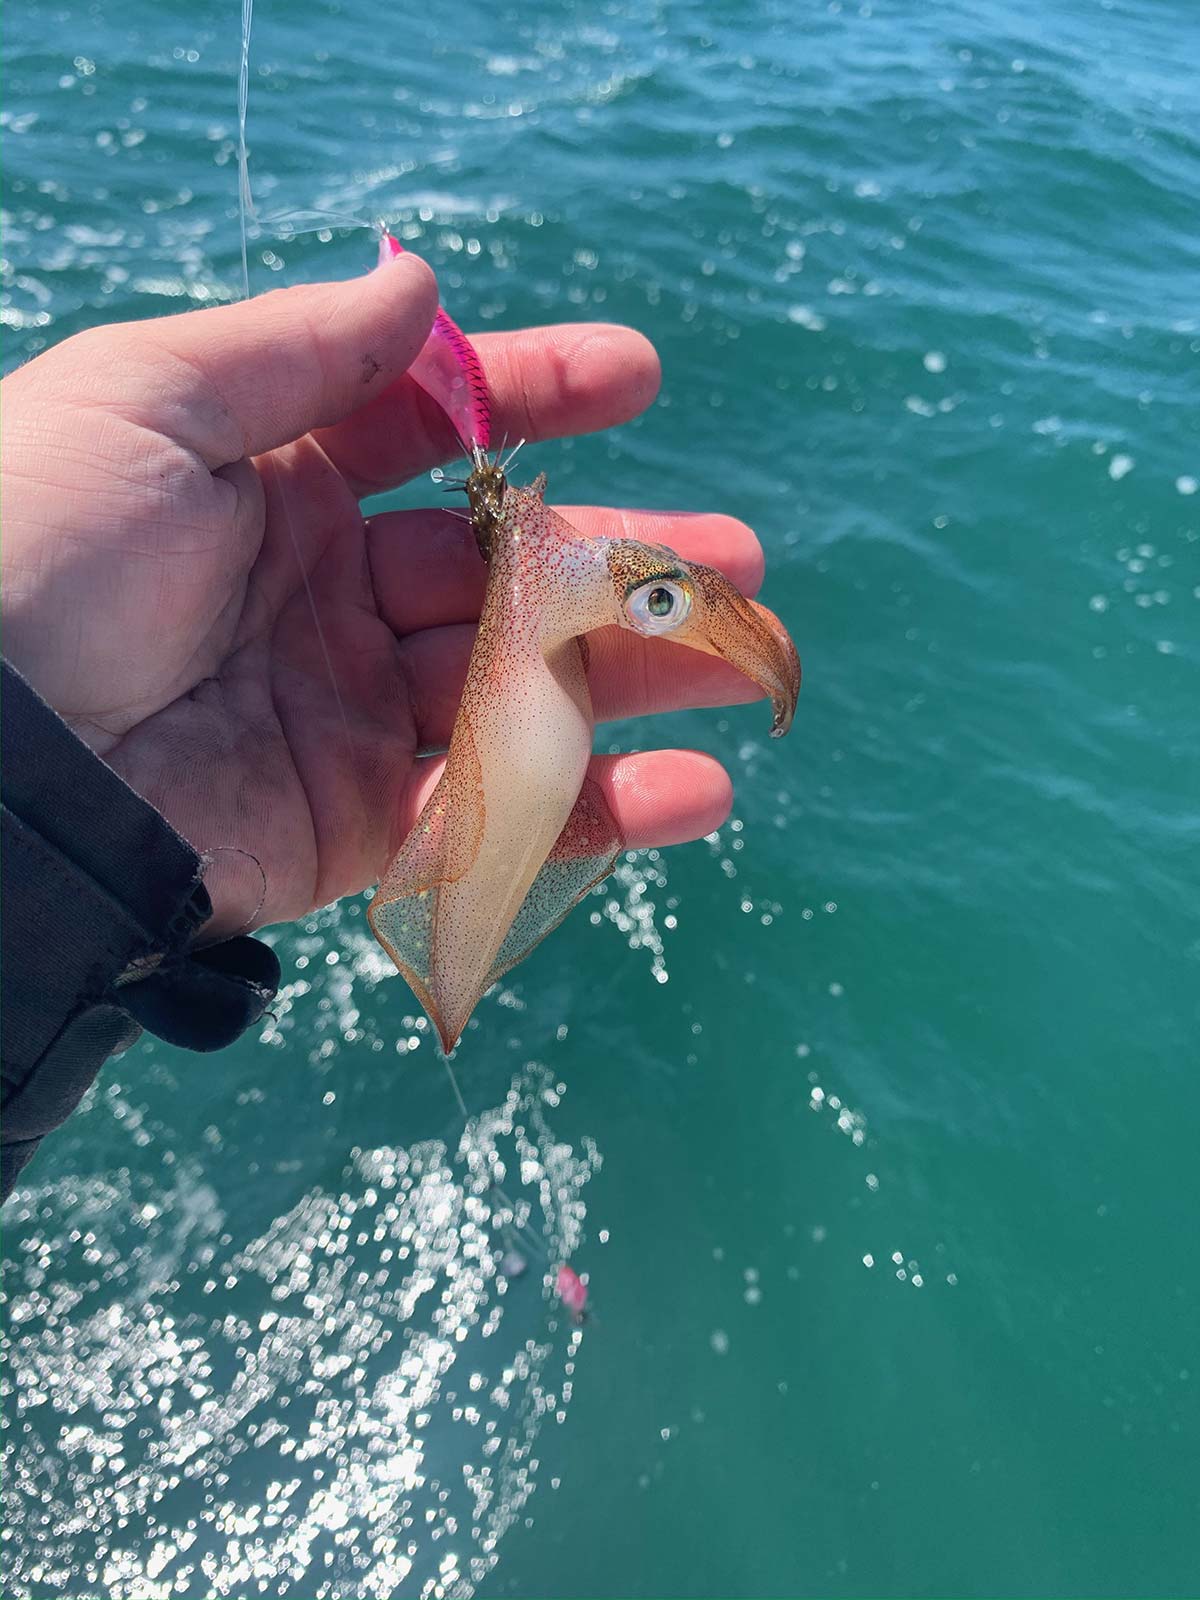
{"x":180,"y":494}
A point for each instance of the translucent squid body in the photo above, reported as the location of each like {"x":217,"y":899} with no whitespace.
{"x":515,"y":832}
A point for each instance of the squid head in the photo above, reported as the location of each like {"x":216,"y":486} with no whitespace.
{"x":660,"y":595}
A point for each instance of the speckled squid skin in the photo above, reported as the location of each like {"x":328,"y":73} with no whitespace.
{"x":515,"y":832}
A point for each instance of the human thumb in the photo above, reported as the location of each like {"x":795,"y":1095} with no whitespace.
{"x":247,"y":378}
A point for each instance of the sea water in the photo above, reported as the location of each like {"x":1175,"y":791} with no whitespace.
{"x":872,"y":1118}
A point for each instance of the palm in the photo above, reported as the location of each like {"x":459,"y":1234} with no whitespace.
{"x":224,"y":713}
{"x":230,"y":634}
{"x":276,"y":750}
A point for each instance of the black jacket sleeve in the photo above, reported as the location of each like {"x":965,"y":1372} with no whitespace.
{"x":102,"y":901}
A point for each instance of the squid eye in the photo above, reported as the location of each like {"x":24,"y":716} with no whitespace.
{"x":658,"y":606}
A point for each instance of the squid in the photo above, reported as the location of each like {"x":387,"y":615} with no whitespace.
{"x":516,"y":833}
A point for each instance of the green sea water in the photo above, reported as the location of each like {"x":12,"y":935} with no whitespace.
{"x":872,"y":1118}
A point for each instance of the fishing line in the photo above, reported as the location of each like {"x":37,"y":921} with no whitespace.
{"x":284,"y":222}
{"x":245,"y":198}
{"x":505,"y":1227}
{"x":245,"y":209}
{"x":246,"y":214}
{"x":320,"y":631}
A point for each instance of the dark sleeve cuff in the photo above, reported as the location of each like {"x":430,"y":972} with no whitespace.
{"x":102,"y":902}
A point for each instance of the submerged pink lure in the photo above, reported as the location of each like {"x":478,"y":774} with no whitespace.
{"x":572,"y":1291}
{"x":450,"y":372}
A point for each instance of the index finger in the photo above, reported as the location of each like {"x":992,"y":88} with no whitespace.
{"x":543,"y":383}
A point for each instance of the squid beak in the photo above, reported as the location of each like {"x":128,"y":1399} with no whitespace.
{"x":751,"y":638}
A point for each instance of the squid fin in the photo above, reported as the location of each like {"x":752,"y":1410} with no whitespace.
{"x":583,"y":854}
{"x":440,"y":849}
